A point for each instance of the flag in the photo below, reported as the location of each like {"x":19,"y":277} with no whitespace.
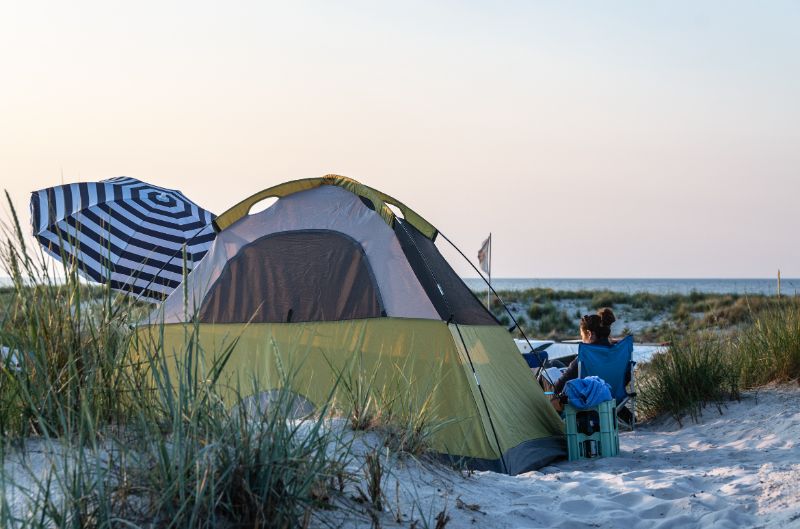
{"x":485,"y":255}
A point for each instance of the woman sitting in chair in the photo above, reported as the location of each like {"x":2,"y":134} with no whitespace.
{"x":596,"y":330}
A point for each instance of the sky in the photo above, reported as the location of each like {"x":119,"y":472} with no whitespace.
{"x":603,"y":139}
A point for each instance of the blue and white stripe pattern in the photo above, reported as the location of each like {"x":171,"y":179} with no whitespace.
{"x":123,"y":232}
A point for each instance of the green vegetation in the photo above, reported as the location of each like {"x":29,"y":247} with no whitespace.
{"x":705,"y":368}
{"x":405,"y":416}
{"x":691,"y":374}
{"x":721,"y":344}
{"x":128,"y":438}
{"x":554,"y":323}
{"x":769,"y":349}
{"x":547,"y":319}
{"x":661,"y":317}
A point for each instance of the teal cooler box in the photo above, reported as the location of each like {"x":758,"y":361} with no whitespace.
{"x":592,"y":432}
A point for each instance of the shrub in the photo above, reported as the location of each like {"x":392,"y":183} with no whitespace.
{"x":604,"y":298}
{"x":768,"y":350}
{"x":694,"y":372}
{"x":538,"y":311}
{"x":555,"y":322}
{"x":649,"y":315}
{"x":681,"y":313}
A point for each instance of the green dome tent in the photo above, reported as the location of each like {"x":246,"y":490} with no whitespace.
{"x":329,"y":273}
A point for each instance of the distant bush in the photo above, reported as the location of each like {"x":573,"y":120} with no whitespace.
{"x":661,"y":333}
{"x":672,"y":314}
{"x":649,"y":314}
{"x":543,"y":295}
{"x":605,"y":298}
{"x":556,"y":322}
{"x":681,"y":313}
{"x":695,"y":296}
{"x":537,"y":311}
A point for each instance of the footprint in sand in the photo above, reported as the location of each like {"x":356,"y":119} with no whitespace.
{"x":628,"y":499}
{"x":542,"y":518}
{"x":578,"y":506}
{"x":683,"y":521}
{"x":638,"y":474}
{"x":670,"y":493}
{"x":658,"y":511}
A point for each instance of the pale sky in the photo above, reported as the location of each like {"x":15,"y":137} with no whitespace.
{"x":606,"y":139}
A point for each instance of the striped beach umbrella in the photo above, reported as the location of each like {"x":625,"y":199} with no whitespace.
{"x":123,"y":232}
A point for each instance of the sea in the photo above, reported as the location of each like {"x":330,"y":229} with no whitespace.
{"x":789,"y":286}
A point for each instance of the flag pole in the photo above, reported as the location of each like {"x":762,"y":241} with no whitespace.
{"x":489,"y":273}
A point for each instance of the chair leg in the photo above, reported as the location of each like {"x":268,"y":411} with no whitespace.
{"x":631,"y":423}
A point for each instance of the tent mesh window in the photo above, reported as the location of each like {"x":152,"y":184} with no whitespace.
{"x":309,"y":275}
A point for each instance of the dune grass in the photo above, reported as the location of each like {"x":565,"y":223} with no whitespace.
{"x":126,"y":435}
{"x":694,"y":372}
{"x":132,"y":438}
{"x":769,"y":349}
{"x":399,"y":408}
{"x":707,"y":368}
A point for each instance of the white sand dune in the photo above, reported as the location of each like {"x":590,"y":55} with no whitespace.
{"x":738,"y":469}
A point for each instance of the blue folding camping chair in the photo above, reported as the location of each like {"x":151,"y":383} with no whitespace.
{"x":614,"y":365}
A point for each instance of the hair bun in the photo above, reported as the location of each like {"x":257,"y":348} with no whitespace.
{"x":606,"y":316}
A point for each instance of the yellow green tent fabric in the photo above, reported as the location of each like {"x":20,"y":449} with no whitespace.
{"x":324,"y":284}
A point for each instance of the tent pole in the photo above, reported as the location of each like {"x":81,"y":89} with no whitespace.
{"x":508,"y":311}
{"x":483,"y":398}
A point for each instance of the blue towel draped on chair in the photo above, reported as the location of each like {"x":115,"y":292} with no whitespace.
{"x":585,"y":393}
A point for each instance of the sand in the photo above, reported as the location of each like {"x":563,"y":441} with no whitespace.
{"x":737,"y":469}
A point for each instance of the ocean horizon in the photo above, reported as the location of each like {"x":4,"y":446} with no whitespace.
{"x":789,"y":286}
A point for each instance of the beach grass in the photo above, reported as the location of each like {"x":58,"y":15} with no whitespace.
{"x":710,"y":368}
{"x":99,"y":427}
{"x":769,"y":349}
{"x":132,"y":439}
{"x":693,"y":373}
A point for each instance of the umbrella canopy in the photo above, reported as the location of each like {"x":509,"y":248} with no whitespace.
{"x":123,"y":232}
